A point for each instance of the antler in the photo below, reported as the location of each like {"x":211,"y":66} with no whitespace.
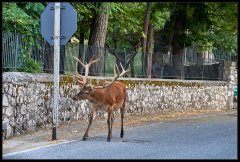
{"x":84,"y":79}
{"x":115,"y":78}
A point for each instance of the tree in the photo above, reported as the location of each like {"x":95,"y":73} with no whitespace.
{"x":206,"y":25}
{"x":149,"y":50}
{"x":124,"y":31}
{"x":146,"y":54}
{"x":24,"y":18}
{"x":85,"y":11}
{"x":223,"y":30}
{"x":98,"y":31}
{"x":213,"y":24}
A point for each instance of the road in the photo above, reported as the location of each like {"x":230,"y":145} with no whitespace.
{"x":204,"y":137}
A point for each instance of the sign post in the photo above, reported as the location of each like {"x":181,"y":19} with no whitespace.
{"x":58,"y":24}
{"x":56,"y":68}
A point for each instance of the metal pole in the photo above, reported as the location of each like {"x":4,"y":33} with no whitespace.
{"x":56,"y":68}
{"x":203,"y":62}
{"x":143,"y":67}
{"x":125,"y":59}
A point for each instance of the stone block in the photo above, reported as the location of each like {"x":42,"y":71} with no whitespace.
{"x":9,"y":111}
{"x":5,"y":101}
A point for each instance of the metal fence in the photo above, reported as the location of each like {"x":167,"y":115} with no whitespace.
{"x":195,"y":63}
{"x":11,"y":46}
{"x":15,"y":45}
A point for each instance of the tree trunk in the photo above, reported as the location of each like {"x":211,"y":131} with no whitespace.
{"x":166,"y":39}
{"x":180,"y":17}
{"x":81,"y":37}
{"x":97,"y":41}
{"x":149,"y":51}
{"x":144,"y":40}
{"x":131,"y":62}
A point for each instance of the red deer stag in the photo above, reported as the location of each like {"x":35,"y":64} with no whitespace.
{"x":109,"y":96}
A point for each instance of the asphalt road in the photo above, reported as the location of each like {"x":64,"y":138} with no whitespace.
{"x":209,"y":137}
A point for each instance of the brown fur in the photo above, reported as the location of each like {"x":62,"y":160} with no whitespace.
{"x":109,"y":99}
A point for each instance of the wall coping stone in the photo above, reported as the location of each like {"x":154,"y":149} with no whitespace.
{"x":15,"y":77}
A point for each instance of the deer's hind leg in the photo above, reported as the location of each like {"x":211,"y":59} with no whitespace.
{"x":122,"y":116}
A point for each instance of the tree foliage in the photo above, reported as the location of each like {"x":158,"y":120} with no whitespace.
{"x":207,"y":23}
{"x":85,"y":13}
{"x":22,"y":17}
{"x":212,"y":24}
{"x":223,"y":32}
{"x":125,"y":25}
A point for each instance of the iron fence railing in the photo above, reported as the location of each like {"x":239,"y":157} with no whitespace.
{"x":195,"y":63}
{"x":11,"y":46}
{"x":15,"y":45}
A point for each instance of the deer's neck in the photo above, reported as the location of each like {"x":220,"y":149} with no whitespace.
{"x":97,"y":96}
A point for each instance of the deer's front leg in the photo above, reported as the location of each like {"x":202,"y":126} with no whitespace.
{"x":112,"y":121}
{"x":91,"y":118}
{"x":109,"y":121}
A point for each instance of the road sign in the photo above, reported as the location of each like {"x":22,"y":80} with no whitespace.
{"x":68,"y":25}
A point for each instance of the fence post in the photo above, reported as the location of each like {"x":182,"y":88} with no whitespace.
{"x":143,"y":64}
{"x":185,"y":55}
{"x":182,"y":68}
{"x":104,"y":62}
{"x":16,"y":53}
{"x":203,"y":61}
{"x":219,"y":57}
{"x":125,"y":60}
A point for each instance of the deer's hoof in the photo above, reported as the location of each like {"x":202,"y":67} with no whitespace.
{"x":108,"y":139}
{"x":84,"y":139}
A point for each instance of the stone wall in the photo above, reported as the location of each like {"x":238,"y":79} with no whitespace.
{"x":27,"y":98}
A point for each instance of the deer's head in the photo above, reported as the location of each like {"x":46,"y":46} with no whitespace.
{"x":83,"y":94}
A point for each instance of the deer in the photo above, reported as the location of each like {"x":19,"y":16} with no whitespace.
{"x":107,"y":96}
